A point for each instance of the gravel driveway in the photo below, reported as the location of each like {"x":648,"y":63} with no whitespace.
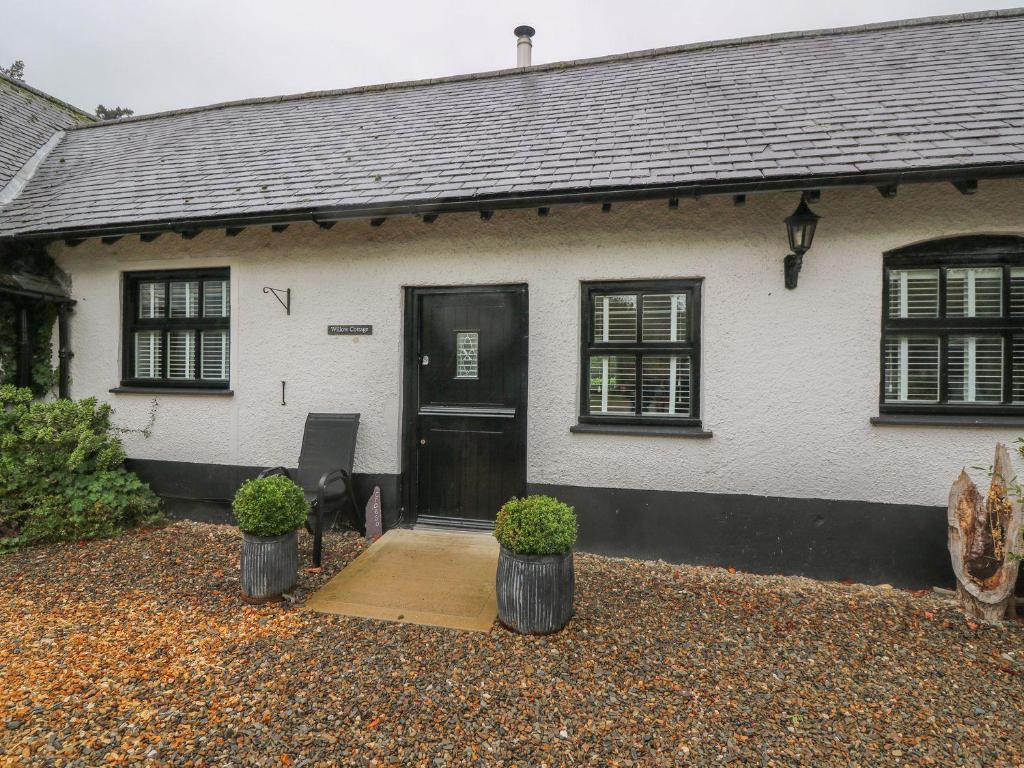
{"x":139,"y":651}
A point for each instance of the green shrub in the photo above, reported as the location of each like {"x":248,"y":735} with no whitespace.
{"x":270,"y":506}
{"x":62,"y":474}
{"x":536,"y":525}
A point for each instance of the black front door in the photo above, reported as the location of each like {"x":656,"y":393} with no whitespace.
{"x":468,"y":395}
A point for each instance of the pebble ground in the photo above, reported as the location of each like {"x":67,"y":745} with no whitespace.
{"x":139,"y":651}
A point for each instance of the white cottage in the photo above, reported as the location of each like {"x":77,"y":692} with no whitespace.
{"x":576,"y":279}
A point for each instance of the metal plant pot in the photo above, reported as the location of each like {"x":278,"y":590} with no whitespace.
{"x":535,"y":592}
{"x":270,"y":565}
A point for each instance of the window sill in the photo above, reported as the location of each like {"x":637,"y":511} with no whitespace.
{"x":650,"y":430}
{"x":949,"y":420}
{"x":171,"y":391}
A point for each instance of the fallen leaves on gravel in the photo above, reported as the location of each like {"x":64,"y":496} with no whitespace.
{"x":139,"y":651}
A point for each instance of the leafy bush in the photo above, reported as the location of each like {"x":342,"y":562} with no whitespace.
{"x":62,"y":473}
{"x":270,"y":506}
{"x":536,"y":525}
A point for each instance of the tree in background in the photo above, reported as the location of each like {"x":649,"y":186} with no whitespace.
{"x":16,"y":71}
{"x":113,"y":113}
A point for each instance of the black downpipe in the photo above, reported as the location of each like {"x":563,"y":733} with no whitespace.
{"x":63,"y":353}
{"x":24,"y":369}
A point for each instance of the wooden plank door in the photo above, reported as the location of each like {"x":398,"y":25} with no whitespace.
{"x":470,"y":399}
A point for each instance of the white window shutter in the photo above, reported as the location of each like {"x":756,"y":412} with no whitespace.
{"x":975,"y":365}
{"x":149,"y":354}
{"x":1017,"y":292}
{"x":181,"y":347}
{"x":665,"y":317}
{"x":974,"y":292}
{"x":184,"y":299}
{"x":216,"y":298}
{"x":912,"y":369}
{"x":151,"y":300}
{"x":1018,"y":370}
{"x":615,"y":318}
{"x":913,"y":293}
{"x":215,"y":360}
{"x":612,"y":384}
{"x":666,"y":385}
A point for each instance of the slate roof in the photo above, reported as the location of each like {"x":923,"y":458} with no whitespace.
{"x":929,"y":96}
{"x":28,"y":118}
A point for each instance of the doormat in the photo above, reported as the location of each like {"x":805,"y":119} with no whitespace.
{"x":436,"y":578}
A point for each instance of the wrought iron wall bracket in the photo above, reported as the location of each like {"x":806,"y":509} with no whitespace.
{"x":792,"y":265}
{"x":286,"y":302}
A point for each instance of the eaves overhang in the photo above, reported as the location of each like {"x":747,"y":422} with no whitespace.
{"x":886,"y":181}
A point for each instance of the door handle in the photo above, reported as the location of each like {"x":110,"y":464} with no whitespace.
{"x":425,"y":360}
{"x":423,"y":441}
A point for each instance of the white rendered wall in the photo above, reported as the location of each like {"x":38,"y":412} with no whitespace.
{"x":790,"y":378}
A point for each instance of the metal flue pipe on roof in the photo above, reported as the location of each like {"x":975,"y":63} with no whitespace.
{"x":524,"y":45}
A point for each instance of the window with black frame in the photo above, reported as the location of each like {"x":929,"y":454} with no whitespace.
{"x":641,"y":353}
{"x":953,"y":327}
{"x":177,"y":329}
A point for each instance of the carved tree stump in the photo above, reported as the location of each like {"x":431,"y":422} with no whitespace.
{"x":983,"y":532}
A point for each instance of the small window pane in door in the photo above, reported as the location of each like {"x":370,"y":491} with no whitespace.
{"x":613,"y":384}
{"x":614,"y":319}
{"x":467,"y":350}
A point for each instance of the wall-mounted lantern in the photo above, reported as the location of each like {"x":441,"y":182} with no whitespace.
{"x":800,"y":226}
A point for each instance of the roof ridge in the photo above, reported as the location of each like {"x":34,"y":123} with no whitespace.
{"x":43,"y":94}
{"x":559,"y":65}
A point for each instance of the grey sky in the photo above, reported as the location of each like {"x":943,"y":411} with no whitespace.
{"x":163,"y":54}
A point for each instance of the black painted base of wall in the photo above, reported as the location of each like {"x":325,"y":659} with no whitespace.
{"x":900,"y":544}
{"x":204,"y":491}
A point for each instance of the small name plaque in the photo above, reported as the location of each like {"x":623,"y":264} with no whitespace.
{"x":374,"y":526}
{"x":349,"y":330}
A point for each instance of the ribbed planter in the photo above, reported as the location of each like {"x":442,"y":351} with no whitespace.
{"x":270,"y":565}
{"x":535,"y":592}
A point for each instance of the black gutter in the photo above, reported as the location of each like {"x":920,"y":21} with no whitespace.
{"x":38,"y":295}
{"x":531,"y":200}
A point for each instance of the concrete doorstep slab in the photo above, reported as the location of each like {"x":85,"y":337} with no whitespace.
{"x":436,"y":578}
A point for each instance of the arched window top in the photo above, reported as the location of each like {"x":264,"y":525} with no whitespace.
{"x":960,"y":246}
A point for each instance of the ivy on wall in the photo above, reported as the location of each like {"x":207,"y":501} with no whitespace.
{"x":33,"y":259}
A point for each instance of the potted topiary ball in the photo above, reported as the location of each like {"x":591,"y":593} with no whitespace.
{"x":535,"y":581}
{"x":269,"y":511}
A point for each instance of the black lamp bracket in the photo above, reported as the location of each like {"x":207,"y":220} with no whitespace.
{"x":792,"y":265}
{"x":286,"y":302}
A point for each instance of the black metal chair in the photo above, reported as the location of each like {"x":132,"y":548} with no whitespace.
{"x":325,"y":473}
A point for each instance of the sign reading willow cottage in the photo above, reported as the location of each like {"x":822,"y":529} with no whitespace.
{"x":683,"y":290}
{"x":349,"y":330}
